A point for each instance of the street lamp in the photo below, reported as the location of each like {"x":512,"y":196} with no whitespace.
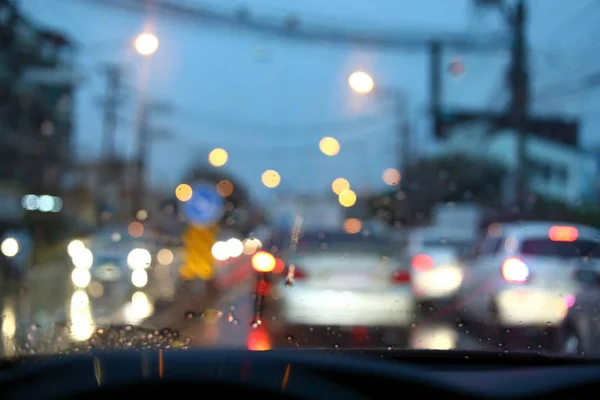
{"x":146,"y":44}
{"x":362,"y":83}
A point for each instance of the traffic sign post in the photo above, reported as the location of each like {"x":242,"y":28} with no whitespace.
{"x":198,"y":261}
{"x":205,"y":207}
{"x":202,"y":211}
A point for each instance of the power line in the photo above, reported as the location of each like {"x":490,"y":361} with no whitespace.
{"x":289,"y":28}
{"x":209,"y":118}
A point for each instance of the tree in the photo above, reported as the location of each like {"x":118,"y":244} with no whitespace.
{"x":242,"y":215}
{"x":430,"y":181}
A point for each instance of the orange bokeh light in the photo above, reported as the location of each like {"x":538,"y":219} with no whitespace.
{"x":135,"y":229}
{"x":258,"y":340}
{"x":263,"y":261}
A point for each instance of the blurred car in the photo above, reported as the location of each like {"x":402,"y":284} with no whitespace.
{"x":437,"y":256}
{"x":580,"y":330}
{"x":115,"y":260}
{"x":523,"y":275}
{"x":338,"y":280}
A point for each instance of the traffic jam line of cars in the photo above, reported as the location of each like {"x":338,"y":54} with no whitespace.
{"x":123,"y":275}
{"x":535,"y":279}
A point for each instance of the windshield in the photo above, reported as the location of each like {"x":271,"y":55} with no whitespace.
{"x":302,"y":175}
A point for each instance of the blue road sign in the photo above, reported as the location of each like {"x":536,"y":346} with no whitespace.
{"x":205,"y":207}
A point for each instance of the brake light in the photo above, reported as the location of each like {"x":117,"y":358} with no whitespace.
{"x":400,"y":277}
{"x":422,"y":262}
{"x":563,"y":234}
{"x":515,"y":271}
{"x":263,"y":288}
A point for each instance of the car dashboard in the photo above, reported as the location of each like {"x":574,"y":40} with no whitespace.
{"x":299,"y":374}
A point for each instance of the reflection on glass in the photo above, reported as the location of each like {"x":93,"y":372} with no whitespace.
{"x":9,"y":328}
{"x":139,"y":308}
{"x":82,"y":322}
{"x":435,"y":338}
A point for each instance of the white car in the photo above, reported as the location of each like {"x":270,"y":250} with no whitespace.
{"x":523,"y":274}
{"x":337,"y":280}
{"x":436,"y":256}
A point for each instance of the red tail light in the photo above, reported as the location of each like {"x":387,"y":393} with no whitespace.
{"x":263,"y":288}
{"x":400,"y":277}
{"x":515,"y":271}
{"x":422,"y":262}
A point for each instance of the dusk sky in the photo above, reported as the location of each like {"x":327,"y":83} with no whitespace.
{"x":268,"y":101}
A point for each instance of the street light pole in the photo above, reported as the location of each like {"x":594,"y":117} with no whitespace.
{"x":362,"y":83}
{"x":520,"y":103}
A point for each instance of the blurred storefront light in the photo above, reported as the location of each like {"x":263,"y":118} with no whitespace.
{"x":218,"y":157}
{"x":339,"y":185}
{"x":184,"y":192}
{"x":347,"y":198}
{"x":10,"y":247}
{"x":329,"y":146}
{"x":165,"y":257}
{"x":271,"y":178}
{"x":391,"y":177}
{"x":43,"y":203}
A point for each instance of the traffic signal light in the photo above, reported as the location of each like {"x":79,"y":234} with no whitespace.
{"x":198,"y":261}
{"x":556,"y":129}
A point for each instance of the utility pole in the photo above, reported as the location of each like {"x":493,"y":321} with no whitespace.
{"x":519,"y":108}
{"x":145,"y":138}
{"x":111,"y":103}
{"x":403,"y":131}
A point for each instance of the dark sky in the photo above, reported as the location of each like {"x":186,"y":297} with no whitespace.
{"x":268,"y":101}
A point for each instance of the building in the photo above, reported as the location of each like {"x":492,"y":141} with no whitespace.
{"x":556,"y":170}
{"x":37,"y":80}
{"x":109,"y":187}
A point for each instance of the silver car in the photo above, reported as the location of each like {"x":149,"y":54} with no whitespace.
{"x":338,"y":280}
{"x":523,"y":274}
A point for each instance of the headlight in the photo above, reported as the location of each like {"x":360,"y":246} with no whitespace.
{"x":139,"y":258}
{"x":9,"y":247}
{"x":81,"y":277}
{"x":139,"y":278}
{"x":75,"y":247}
{"x":235,"y":247}
{"x":220,"y":251}
{"x":83,"y":258}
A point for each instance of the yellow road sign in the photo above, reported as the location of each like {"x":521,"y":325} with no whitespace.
{"x":198,"y":261}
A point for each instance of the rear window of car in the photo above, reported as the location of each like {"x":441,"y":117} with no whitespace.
{"x":548,"y":248}
{"x":461,"y":248}
{"x":347,"y":243}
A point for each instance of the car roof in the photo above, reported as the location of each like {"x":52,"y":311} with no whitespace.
{"x":343,"y":237}
{"x":541,"y":228}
